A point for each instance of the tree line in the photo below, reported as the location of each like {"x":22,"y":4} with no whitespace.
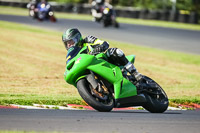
{"x":188,"y":5}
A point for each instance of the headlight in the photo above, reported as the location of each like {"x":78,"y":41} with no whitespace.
{"x":50,"y":13}
{"x":106,"y":10}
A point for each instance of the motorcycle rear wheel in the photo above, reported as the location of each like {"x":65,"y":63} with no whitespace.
{"x":84,"y":89}
{"x":116,"y":25}
{"x":156,"y":103}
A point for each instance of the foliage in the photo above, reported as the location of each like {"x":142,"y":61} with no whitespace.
{"x":159,"y":4}
{"x":190,"y":5}
{"x":71,"y":1}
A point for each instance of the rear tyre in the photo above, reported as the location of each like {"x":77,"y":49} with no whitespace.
{"x":105,"y":24}
{"x":157,"y":100}
{"x":85,"y":91}
{"x":116,"y":25}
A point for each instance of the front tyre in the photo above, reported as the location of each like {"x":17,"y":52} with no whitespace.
{"x":85,"y":91}
{"x":53,"y":19}
{"x":157,"y":100}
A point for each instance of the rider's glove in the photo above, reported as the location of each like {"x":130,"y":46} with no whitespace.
{"x":97,"y":50}
{"x":90,"y":39}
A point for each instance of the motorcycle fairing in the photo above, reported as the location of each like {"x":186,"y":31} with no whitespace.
{"x":131,"y":58}
{"x":122,"y":86}
{"x":77,"y":67}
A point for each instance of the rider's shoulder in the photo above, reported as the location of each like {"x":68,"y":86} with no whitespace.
{"x":108,"y":5}
{"x":93,"y":3}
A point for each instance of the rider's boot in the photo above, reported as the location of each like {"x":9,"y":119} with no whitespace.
{"x":133,"y":71}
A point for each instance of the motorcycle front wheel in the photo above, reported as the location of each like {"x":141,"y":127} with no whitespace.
{"x":53,"y":19}
{"x":94,"y":100}
{"x":157,"y":100}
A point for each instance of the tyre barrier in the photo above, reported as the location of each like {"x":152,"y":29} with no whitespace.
{"x":164,"y":15}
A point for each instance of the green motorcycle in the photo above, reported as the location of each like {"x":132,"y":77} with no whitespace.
{"x":105,"y":86}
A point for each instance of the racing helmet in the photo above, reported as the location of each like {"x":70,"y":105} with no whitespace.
{"x":72,"y":34}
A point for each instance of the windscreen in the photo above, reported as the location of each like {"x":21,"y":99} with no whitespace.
{"x":72,"y":52}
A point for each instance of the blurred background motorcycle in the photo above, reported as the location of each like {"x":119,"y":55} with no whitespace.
{"x":104,"y":13}
{"x":109,"y":18}
{"x":32,"y":6}
{"x":41,"y":10}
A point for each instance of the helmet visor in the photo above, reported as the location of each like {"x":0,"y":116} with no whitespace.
{"x":69,"y":43}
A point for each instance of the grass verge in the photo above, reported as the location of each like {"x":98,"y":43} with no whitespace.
{"x":6,"y":131}
{"x":33,"y":63}
{"x":24,"y":12}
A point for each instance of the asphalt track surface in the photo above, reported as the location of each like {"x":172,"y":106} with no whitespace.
{"x":127,"y":121}
{"x":137,"y":121}
{"x":187,"y":41}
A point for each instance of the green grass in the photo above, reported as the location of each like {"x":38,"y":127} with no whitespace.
{"x":33,"y":63}
{"x":30,"y":99}
{"x":32,"y":66}
{"x":24,"y":12}
{"x":6,"y":131}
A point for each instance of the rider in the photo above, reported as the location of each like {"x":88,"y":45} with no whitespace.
{"x":32,"y":6}
{"x":97,"y":9}
{"x":45,"y":4}
{"x":73,"y":42}
{"x":32,"y":2}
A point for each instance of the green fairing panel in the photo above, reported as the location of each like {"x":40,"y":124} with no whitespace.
{"x":122,"y":89}
{"x":77,"y":70}
{"x":127,"y":89}
{"x":131,"y":58}
{"x":103,"y":69}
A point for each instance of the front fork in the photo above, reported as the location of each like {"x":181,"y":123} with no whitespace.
{"x":98,"y":87}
